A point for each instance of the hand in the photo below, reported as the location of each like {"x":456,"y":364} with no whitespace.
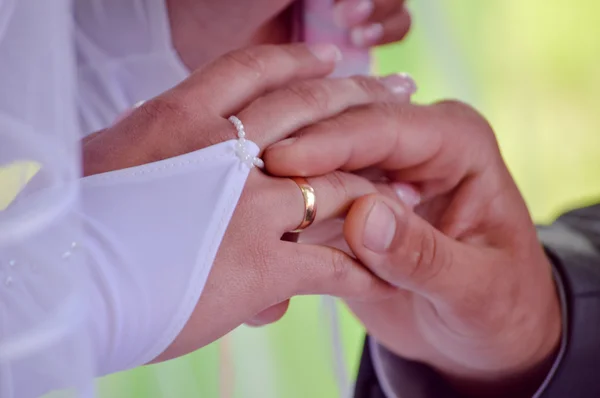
{"x":373,"y":22}
{"x":475,"y":296}
{"x":267,"y":88}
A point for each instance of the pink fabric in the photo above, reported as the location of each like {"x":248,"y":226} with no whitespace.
{"x":314,"y":24}
{"x":317,"y":26}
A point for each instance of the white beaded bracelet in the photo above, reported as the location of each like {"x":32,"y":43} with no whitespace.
{"x":241,"y":146}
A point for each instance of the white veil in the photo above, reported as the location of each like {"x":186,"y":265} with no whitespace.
{"x":42,"y":258}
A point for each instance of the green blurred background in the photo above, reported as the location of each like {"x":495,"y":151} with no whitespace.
{"x":531,"y":66}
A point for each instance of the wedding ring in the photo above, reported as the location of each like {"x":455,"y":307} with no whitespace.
{"x":310,"y":203}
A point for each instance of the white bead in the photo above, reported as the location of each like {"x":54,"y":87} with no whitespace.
{"x":12,"y":263}
{"x":66,"y":255}
{"x":74,"y":245}
{"x":241,"y":149}
{"x":258,"y":162}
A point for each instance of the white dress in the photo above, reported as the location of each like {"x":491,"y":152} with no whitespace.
{"x":83,"y":291}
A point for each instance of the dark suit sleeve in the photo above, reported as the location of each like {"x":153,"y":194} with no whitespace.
{"x":573,"y":245}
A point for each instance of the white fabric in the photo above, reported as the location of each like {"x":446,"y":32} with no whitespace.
{"x":124,"y":55}
{"x":100,"y":274}
{"x":43,"y":343}
{"x":154,"y":231}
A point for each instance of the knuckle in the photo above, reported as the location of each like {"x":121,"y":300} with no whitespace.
{"x":251,"y":62}
{"x":426,"y":259}
{"x":217,"y":133}
{"x":475,"y":133}
{"x":314,"y":94}
{"x":390,"y":113}
{"x":162,"y":108}
{"x":339,"y":266}
{"x":338,"y":185}
{"x":371,"y":87}
{"x":468,"y":117}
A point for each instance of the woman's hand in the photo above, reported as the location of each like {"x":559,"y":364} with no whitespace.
{"x":373,"y":22}
{"x":274,"y":90}
{"x":475,"y":296}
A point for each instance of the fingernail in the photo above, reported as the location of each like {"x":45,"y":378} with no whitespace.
{"x":400,"y":84}
{"x":380,"y":228}
{"x":365,"y":36}
{"x":254,"y":323}
{"x":407,"y":194}
{"x":352,"y":12}
{"x":326,"y":52}
{"x":284,"y":143}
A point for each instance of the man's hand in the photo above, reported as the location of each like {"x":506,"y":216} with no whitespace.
{"x":475,"y":295}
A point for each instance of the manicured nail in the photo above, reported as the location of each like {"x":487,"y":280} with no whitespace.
{"x":400,"y":84}
{"x":366,"y":36}
{"x":380,"y":228}
{"x":326,"y":52}
{"x":407,"y":193}
{"x":283,"y":143}
{"x":349,"y":13}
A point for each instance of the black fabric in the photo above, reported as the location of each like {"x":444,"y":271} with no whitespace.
{"x":367,"y":384}
{"x":579,"y":372}
{"x":410,"y":379}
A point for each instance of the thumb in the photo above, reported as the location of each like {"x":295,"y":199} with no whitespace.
{"x":400,"y":247}
{"x":270,"y":315}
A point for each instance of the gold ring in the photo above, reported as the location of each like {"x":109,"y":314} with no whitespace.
{"x":310,"y":203}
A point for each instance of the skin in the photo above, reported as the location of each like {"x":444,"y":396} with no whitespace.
{"x":234,"y":24}
{"x":456,"y":279}
{"x":475,"y":297}
{"x":252,"y":270}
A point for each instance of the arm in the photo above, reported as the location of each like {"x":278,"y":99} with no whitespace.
{"x":572,"y":244}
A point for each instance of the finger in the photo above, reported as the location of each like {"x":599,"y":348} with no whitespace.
{"x":280,"y":113}
{"x":389,"y":30}
{"x":334,"y":193}
{"x":233,"y":80}
{"x":313,"y":269}
{"x":384,"y":8}
{"x":270,"y":315}
{"x":351,"y":13}
{"x":391,"y":137}
{"x":404,"y":250}
{"x":329,"y":233}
